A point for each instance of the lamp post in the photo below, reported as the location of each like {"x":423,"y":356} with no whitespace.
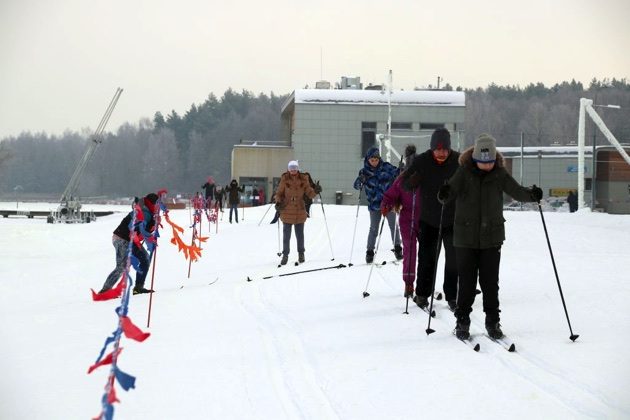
{"x":594,"y":158}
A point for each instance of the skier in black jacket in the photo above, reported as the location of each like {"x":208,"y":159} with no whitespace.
{"x":429,"y":171}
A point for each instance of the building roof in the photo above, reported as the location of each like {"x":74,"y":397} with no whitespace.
{"x":377,"y":97}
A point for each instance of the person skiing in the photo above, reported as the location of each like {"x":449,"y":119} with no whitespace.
{"x":145,"y":211}
{"x":289,"y":200}
{"x":233,"y":191}
{"x":478,"y":186}
{"x":396,"y":197}
{"x":376,"y":177}
{"x":429,"y":171}
{"x":209,"y":189}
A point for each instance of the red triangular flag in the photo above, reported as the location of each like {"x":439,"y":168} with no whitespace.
{"x":131,"y":331}
{"x":111,"y":397}
{"x":109,"y":294}
{"x":104,"y":361}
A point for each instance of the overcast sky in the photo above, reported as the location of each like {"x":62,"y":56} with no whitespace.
{"x":61,"y":61}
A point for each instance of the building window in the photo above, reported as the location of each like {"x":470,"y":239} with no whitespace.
{"x":431,"y":126}
{"x":368,"y":136}
{"x":401,"y":126}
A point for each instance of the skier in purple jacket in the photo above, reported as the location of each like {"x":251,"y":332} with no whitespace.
{"x":396,"y":197}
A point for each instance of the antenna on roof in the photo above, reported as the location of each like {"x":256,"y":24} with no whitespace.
{"x":321,"y":63}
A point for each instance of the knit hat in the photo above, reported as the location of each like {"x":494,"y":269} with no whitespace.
{"x":152,"y":197}
{"x":441,"y":139}
{"x":485,"y":150}
{"x":410,"y":150}
{"x":373,"y":152}
{"x":293,"y":164}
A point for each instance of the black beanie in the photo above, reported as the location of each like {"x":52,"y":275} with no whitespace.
{"x":441,"y":139}
{"x":152,"y":197}
{"x":410,"y":150}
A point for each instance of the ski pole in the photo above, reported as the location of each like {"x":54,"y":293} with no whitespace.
{"x":262,"y":218}
{"x":573,"y":337}
{"x":279,"y":248}
{"x":154,"y":258}
{"x":437,"y":257}
{"x":356,"y":220}
{"x":412,"y":240}
{"x":365,"y":292}
{"x":326,"y":224}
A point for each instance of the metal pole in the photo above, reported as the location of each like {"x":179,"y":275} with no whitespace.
{"x":594,"y":170}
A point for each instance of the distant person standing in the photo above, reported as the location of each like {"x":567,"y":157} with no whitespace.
{"x":572,"y":199}
{"x":375,"y":178}
{"x":255,"y":196}
{"x":234,"y":198}
{"x":209,"y":189}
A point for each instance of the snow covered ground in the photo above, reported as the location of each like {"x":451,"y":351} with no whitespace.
{"x":310,"y":346}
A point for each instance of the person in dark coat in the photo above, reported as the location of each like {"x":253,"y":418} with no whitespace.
{"x":290,"y":203}
{"x":375,"y":178}
{"x":479,"y":232}
{"x":209,"y":190}
{"x":145,"y":211}
{"x":255,"y":196}
{"x":234,"y":198}
{"x":573,"y":202}
{"x":219,"y":194}
{"x":429,"y":171}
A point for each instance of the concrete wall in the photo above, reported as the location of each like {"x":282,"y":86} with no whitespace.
{"x":327,"y":139}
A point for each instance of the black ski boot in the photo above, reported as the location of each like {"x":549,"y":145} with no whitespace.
{"x":452,"y":304}
{"x":492,"y":325}
{"x":462,"y":327}
{"x":369,"y":256}
{"x":398,"y":252}
{"x":494,"y":330}
{"x":140,"y":290}
{"x":301,"y":257}
{"x":284,"y":260}
{"x":421,"y":301}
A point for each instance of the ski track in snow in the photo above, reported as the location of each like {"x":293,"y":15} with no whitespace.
{"x":577,"y":397}
{"x":296,"y":385}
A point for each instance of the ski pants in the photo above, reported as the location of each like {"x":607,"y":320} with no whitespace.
{"x":375,"y":219}
{"x":409,"y":239}
{"x":122,"y":248}
{"x":427,"y":259}
{"x":483,"y":263}
{"x":233,"y":209}
{"x":286,"y":237}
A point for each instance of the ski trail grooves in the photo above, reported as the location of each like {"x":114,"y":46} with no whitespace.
{"x":295,"y":384}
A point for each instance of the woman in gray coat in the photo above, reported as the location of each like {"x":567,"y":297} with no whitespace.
{"x":478,"y":186}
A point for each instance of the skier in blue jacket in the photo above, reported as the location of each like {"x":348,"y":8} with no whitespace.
{"x":375,"y":178}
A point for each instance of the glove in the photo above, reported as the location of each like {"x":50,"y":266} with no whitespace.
{"x":536,"y":193}
{"x":279,"y":207}
{"x":384,"y":211}
{"x":317,"y":188}
{"x":444,"y":193}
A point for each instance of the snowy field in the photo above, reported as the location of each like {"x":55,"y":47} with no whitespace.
{"x":310,"y":346}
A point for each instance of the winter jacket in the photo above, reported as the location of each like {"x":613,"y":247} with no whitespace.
{"x":479,"y":221}
{"x":209,"y":189}
{"x":290,"y":197}
{"x":145,"y":223}
{"x":409,"y":202}
{"x":232,"y":191}
{"x":375,"y":180}
{"x":430,"y":175}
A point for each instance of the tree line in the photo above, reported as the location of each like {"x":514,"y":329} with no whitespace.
{"x":180,"y":151}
